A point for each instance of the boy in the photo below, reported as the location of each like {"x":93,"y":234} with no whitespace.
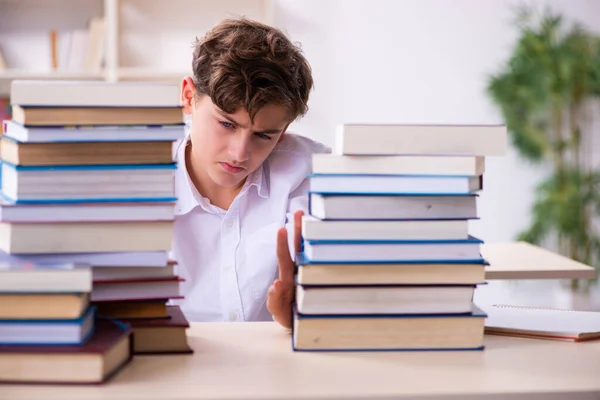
{"x":241,"y":182}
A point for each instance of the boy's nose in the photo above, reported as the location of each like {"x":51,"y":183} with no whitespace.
{"x":239,"y":149}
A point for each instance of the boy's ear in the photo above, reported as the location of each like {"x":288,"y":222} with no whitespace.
{"x":188,"y":91}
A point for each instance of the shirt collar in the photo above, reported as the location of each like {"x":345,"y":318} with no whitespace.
{"x":188,"y":196}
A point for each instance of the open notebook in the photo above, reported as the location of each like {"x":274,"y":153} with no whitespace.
{"x":543,"y":323}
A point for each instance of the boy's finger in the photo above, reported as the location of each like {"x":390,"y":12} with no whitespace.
{"x":298,"y":230}
{"x":286,"y":264}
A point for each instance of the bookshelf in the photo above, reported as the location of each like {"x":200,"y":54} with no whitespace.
{"x":140,"y":39}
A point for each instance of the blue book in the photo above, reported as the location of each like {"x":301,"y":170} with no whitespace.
{"x":400,"y":184}
{"x":426,"y":251}
{"x":88,"y":183}
{"x":48,"y":332}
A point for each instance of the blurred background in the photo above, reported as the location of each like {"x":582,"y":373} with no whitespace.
{"x":533,"y":65}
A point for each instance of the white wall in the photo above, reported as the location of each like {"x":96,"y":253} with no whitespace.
{"x":426,"y":61}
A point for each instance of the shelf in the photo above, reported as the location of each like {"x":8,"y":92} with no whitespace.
{"x":153,"y":74}
{"x":149,"y":40}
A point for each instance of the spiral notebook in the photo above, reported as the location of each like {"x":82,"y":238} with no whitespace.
{"x":542,"y":323}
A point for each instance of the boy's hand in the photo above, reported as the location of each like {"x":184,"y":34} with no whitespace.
{"x":282,"y":291}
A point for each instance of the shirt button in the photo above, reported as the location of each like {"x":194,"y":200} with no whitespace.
{"x":227,"y":267}
{"x":228,"y":223}
{"x":232,"y":316}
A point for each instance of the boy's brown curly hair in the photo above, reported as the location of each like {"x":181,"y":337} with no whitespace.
{"x":245,"y":63}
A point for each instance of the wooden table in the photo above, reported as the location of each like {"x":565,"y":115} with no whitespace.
{"x":521,"y":260}
{"x":255,"y":361}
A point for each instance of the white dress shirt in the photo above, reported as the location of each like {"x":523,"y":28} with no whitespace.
{"x":228,"y":257}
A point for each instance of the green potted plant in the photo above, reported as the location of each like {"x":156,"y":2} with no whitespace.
{"x":547,"y":92}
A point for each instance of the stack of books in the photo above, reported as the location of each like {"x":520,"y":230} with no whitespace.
{"x":388,"y":262}
{"x":88,"y":178}
{"x":48,"y":328}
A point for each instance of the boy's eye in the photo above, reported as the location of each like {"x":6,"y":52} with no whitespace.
{"x":263,"y":136}
{"x":227,"y":125}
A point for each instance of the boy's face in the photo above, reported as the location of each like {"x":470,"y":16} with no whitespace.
{"x":228,"y":147}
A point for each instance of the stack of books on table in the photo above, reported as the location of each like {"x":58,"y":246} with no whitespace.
{"x":48,"y":329}
{"x":88,"y":178}
{"x":388,"y":262}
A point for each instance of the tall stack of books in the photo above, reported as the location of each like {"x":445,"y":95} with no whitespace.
{"x":88,"y":178}
{"x":388,"y":262}
{"x":48,"y":329}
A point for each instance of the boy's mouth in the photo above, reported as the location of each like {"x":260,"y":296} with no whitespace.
{"x":231,"y":168}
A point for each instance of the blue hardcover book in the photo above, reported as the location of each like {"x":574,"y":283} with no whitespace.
{"x":48,"y":332}
{"x":463,"y":251}
{"x":394,"y":184}
{"x":88,"y":183}
{"x":388,"y":332}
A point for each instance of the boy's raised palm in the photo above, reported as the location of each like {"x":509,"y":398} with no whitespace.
{"x":282,"y":291}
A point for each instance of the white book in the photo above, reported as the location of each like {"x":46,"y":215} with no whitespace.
{"x":374,"y":299}
{"x":98,"y":133}
{"x":86,"y":237}
{"x":94,"y":93}
{"x":394,"y":184}
{"x":444,"y":140}
{"x":317,"y":229}
{"x":378,"y":207}
{"x":28,"y":277}
{"x":398,"y":165}
{"x":542,"y":323}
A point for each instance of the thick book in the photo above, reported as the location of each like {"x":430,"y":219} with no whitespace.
{"x":93,"y":134}
{"x":84,"y":153}
{"x":83,"y":237}
{"x":30,"y":277}
{"x":88,"y":183}
{"x":542,"y":323}
{"x":48,"y":306}
{"x":391,"y":332}
{"x":93,"y":93}
{"x":108,"y":350}
{"x":394,"y":184}
{"x":162,"y":335}
{"x":340,"y":273}
{"x":392,"y":207}
{"x":384,"y":299}
{"x":420,"y":139}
